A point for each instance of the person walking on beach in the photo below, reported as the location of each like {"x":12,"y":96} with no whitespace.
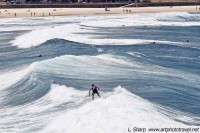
{"x":94,"y":90}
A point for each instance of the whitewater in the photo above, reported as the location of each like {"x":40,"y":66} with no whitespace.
{"x":147,"y":66}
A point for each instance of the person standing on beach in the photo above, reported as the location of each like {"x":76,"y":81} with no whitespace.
{"x":15,"y":14}
{"x":94,"y":90}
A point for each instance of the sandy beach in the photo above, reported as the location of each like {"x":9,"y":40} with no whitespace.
{"x":44,"y":12}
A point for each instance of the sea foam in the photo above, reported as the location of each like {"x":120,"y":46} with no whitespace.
{"x":83,"y":29}
{"x":114,"y":112}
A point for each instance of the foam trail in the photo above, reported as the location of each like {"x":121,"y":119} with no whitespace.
{"x":86,"y":30}
{"x":33,"y":116}
{"x":18,"y":24}
{"x":61,"y":33}
{"x":114,"y":112}
{"x":6,"y":81}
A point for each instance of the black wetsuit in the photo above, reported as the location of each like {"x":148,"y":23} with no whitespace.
{"x":94,"y":90}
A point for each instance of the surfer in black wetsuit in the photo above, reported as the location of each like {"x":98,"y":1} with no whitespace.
{"x":94,"y":90}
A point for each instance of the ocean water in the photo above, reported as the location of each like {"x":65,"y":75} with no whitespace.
{"x":146,"y":65}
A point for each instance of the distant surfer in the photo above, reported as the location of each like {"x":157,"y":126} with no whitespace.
{"x":94,"y":89}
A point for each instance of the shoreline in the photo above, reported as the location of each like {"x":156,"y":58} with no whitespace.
{"x":51,"y":12}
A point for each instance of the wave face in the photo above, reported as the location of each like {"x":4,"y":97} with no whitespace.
{"x":142,"y":67}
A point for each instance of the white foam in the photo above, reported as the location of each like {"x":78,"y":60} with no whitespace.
{"x":58,"y":95}
{"x":115,"y":112}
{"x":101,"y":65}
{"x":15,"y":24}
{"x":11,"y":77}
{"x":68,"y":61}
{"x":73,"y":32}
{"x":140,"y":19}
{"x":62,"y":93}
{"x":138,"y":54}
{"x":68,"y":32}
{"x":106,"y":65}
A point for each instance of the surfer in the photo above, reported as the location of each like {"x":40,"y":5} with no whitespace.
{"x":94,"y":90}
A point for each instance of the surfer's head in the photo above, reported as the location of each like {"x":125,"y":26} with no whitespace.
{"x":92,"y":84}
